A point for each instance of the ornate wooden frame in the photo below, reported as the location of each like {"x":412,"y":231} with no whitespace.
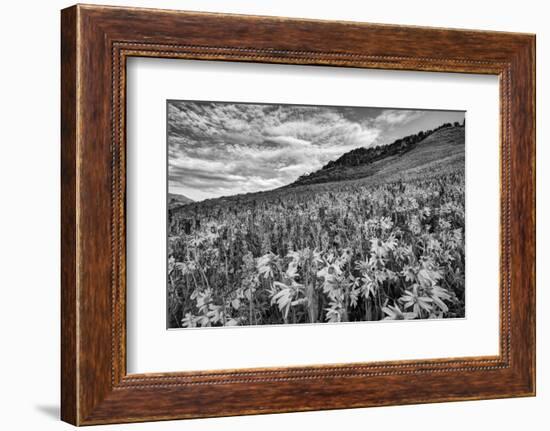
{"x":95,"y":43}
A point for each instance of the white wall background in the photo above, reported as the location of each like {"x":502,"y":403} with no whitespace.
{"x":29,"y":217}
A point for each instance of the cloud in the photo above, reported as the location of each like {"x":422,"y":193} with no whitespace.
{"x":289,"y":141}
{"x":395,"y":117}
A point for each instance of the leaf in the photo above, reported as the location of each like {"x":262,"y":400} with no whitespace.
{"x":368,"y":286}
{"x":354,"y":296}
{"x":424,"y":302}
{"x":438,"y":294}
{"x":280,"y":285}
{"x":264,"y":265}
{"x":283,"y":299}
{"x":188,"y":321}
{"x":441,"y":304}
{"x":424,"y":278}
{"x":299,"y":302}
{"x":393,"y":312}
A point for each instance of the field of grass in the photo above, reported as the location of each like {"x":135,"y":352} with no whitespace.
{"x":388,"y":245}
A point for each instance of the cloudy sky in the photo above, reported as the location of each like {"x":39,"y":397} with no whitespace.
{"x":220,"y":149}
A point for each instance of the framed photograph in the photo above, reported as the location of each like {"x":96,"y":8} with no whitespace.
{"x":265,"y":215}
{"x":287,"y":214}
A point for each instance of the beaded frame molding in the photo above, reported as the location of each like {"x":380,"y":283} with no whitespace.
{"x":95,"y":43}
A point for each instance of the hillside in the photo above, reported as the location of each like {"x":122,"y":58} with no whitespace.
{"x":437,"y":149}
{"x":175,"y":200}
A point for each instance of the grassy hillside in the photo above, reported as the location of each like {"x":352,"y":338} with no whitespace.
{"x":442,"y":149}
{"x":176,"y":200}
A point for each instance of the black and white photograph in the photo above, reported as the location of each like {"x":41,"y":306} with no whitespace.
{"x":289,"y":214}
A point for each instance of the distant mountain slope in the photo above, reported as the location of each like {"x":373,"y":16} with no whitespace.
{"x":442,"y":152}
{"x":441,"y":149}
{"x":175,"y":200}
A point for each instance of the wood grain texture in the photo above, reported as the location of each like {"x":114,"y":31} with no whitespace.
{"x":69,"y":397}
{"x":96,"y":41}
